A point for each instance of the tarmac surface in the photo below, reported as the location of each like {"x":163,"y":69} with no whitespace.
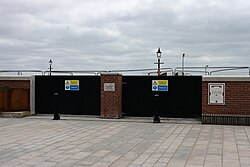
{"x":39,"y":141}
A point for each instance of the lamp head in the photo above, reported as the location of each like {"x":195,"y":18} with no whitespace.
{"x":158,"y":53}
{"x":50,"y":61}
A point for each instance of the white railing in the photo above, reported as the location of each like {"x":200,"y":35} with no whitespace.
{"x":21,"y":72}
{"x":205,"y":70}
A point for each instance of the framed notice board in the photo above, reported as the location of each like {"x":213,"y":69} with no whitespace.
{"x":216,"y":93}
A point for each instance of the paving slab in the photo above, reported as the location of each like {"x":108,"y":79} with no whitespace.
{"x":38,"y":141}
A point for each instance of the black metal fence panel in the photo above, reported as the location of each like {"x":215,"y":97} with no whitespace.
{"x":182,"y":100}
{"x":85,"y":101}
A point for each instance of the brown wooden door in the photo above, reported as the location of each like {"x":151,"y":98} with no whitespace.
{"x":19,"y":100}
{"x":3,"y":99}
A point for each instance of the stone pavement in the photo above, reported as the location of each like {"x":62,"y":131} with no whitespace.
{"x":38,"y":141}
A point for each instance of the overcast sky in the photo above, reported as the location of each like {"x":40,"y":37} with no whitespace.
{"x":123,"y":34}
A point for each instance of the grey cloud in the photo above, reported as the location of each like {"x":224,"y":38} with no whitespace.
{"x":82,"y":35}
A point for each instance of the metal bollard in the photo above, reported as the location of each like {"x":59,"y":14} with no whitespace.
{"x":156,"y":118}
{"x":56,"y":113}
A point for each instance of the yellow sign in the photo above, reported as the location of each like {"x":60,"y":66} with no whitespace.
{"x":74,"y":82}
{"x":155,"y":83}
{"x":162,"y":82}
{"x":67,"y":83}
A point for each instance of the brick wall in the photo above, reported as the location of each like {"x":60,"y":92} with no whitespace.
{"x":14,"y":84}
{"x":14,"y":94}
{"x":111,"y":101}
{"x":237,"y":96}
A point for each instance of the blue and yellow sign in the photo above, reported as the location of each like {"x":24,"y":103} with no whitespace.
{"x":159,"y":85}
{"x":72,"y":85}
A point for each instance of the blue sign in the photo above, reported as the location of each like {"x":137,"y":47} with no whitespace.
{"x":162,"y":88}
{"x":74,"y":87}
{"x":155,"y":87}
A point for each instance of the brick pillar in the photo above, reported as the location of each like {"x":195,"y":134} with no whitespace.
{"x":111,"y":95}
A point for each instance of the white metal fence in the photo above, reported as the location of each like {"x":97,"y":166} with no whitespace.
{"x":164,"y":71}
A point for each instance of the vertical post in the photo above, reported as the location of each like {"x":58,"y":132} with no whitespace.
{"x":50,"y":69}
{"x":50,"y":66}
{"x":156,"y":118}
{"x":56,"y":113}
{"x":183,"y":55}
{"x":206,"y":70}
{"x":159,"y":67}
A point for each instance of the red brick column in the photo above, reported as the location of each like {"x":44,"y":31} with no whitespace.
{"x":111,"y":96}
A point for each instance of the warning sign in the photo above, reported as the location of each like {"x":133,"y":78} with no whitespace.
{"x":159,"y":85}
{"x":72,"y":85}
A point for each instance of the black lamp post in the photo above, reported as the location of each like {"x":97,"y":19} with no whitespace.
{"x":156,"y":118}
{"x":50,"y":66}
{"x":158,"y":54}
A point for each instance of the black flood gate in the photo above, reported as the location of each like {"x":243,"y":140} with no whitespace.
{"x":79,"y":95}
{"x":182,"y":100}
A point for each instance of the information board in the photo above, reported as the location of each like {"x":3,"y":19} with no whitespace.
{"x":109,"y":87}
{"x":216,"y":93}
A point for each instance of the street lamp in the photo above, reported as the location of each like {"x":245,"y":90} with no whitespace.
{"x":156,"y":118}
{"x":50,"y":66}
{"x":158,"y":54}
{"x":183,"y":56}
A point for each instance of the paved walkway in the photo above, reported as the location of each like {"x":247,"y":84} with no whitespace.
{"x":42,"y":142}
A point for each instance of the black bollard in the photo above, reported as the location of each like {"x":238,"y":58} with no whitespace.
{"x":56,"y":113}
{"x":156,"y":118}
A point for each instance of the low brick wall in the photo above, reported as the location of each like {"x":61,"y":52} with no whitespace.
{"x":226,"y":119}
